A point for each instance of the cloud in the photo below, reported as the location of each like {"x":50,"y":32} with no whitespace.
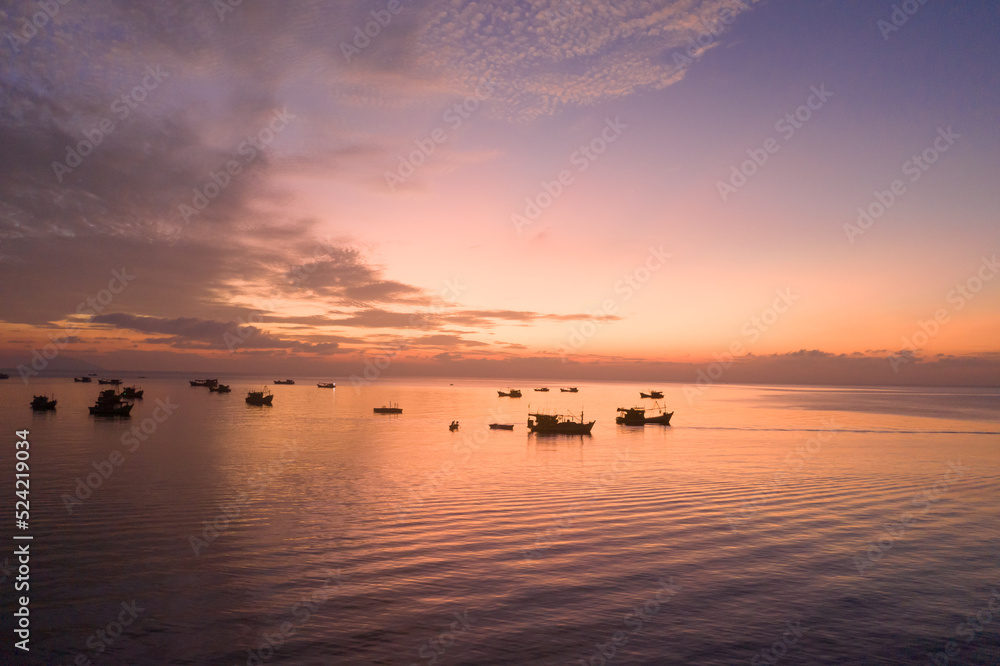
{"x":194,"y":333}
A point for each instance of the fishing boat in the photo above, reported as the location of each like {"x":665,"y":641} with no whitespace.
{"x":636,"y":416}
{"x":42,"y":403}
{"x":204,"y":382}
{"x":113,"y":382}
{"x":655,"y":395}
{"x":544,"y":389}
{"x":454,"y":426}
{"x":221,"y":388}
{"x":284,"y":381}
{"x":510,"y":393}
{"x":110,"y":403}
{"x":558,"y":424}
{"x":392,"y":408}
{"x":327,"y":385}
{"x":571,"y":389}
{"x":4,"y":375}
{"x":132,"y":393}
{"x":85,"y":380}
{"x":260,"y":398}
{"x":501,"y":426}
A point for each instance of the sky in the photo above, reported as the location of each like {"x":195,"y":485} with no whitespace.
{"x":692,"y":190}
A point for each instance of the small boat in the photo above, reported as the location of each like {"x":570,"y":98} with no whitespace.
{"x":42,"y":402}
{"x":454,"y":426}
{"x":511,"y":393}
{"x":655,"y":395}
{"x":543,"y":389}
{"x":327,"y":385}
{"x":501,"y":426}
{"x":636,"y":416}
{"x":132,"y":393}
{"x":558,"y":424}
{"x":113,"y":382}
{"x":4,"y":375}
{"x":85,"y":380}
{"x":204,"y":382}
{"x":284,"y":381}
{"x":260,"y":398}
{"x":221,"y":388}
{"x":110,"y":403}
{"x":392,"y":408}
{"x":571,"y":389}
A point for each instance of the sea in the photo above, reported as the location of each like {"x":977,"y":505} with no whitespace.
{"x":765,"y":525}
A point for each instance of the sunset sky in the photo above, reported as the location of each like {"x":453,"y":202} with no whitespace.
{"x":561,"y":188}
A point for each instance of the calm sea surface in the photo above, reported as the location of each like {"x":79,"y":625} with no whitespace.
{"x":766,"y":525}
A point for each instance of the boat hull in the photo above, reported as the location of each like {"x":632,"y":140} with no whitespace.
{"x":260,"y":402}
{"x":501,"y":426}
{"x":563,"y":429}
{"x":388,"y":410}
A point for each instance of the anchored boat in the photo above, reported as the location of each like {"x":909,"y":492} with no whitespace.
{"x":260,"y":398}
{"x":392,"y":408}
{"x":510,"y":393}
{"x":636,"y":416}
{"x":204,"y":382}
{"x":655,"y":395}
{"x":558,"y":424}
{"x":110,"y":403}
{"x":42,"y":403}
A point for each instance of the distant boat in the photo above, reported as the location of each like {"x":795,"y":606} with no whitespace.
{"x":328,"y":385}
{"x":113,"y":382}
{"x":571,"y":389}
{"x":4,"y":375}
{"x":511,"y":393}
{"x":392,"y":408}
{"x":110,"y":403}
{"x":636,"y":416}
{"x":42,"y":402}
{"x":284,"y":381}
{"x":221,"y":388}
{"x":453,"y":426}
{"x":260,"y":398}
{"x":655,"y":395}
{"x":91,"y":374}
{"x":558,"y":424}
{"x":204,"y":382}
{"x":85,"y":380}
{"x":502,"y":426}
{"x":132,"y":393}
{"x":543,"y":390}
